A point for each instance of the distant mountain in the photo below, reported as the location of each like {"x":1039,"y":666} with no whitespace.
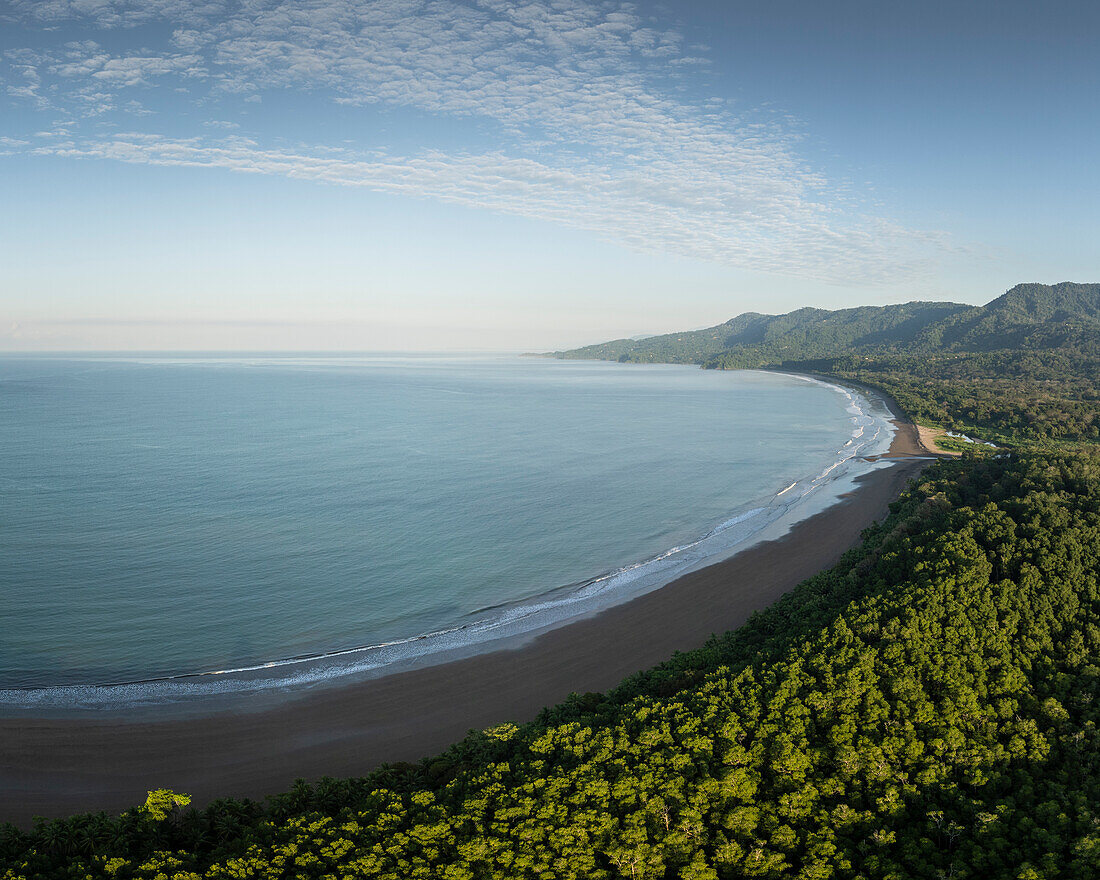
{"x":1027,"y":316}
{"x":816,"y":331}
{"x":1030,"y":316}
{"x":1041,"y":303}
{"x":1024,"y":368}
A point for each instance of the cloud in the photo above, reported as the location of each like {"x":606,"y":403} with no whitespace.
{"x":10,"y":146}
{"x":129,"y":70}
{"x":82,"y":78}
{"x":735,"y":223}
{"x":110,"y":14}
{"x":577,"y":99}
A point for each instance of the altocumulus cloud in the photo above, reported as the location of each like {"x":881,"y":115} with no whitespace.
{"x":575,"y":105}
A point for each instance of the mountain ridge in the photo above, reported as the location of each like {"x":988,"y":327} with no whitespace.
{"x":1023,"y":368}
{"x":1027,"y":315}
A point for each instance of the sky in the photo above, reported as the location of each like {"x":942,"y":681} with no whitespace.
{"x":488,"y":175}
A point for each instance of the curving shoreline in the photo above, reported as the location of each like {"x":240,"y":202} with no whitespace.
{"x":53,"y":767}
{"x":206,"y":692}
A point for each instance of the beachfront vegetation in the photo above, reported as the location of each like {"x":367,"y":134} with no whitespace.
{"x":1007,"y":397}
{"x":927,"y":708}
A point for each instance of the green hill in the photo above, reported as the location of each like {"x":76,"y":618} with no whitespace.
{"x":805,"y":333}
{"x":1028,"y":315}
{"x":1023,"y":368}
{"x":1034,"y":303}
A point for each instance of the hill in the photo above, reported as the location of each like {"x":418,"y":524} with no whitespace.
{"x":1028,"y":315}
{"x":1023,"y":368}
{"x":805,"y":332}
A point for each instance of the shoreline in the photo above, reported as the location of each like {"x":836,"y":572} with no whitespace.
{"x":914,"y":444}
{"x":55,"y":767}
{"x":262,"y":684}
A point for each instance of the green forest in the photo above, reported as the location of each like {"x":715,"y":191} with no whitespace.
{"x":928,"y":708}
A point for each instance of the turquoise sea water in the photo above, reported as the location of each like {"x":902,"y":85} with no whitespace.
{"x":163,"y":516}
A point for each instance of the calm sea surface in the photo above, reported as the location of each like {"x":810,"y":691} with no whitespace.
{"x":161,"y":516}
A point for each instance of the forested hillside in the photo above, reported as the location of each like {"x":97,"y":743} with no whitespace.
{"x":1029,"y":316}
{"x":802,"y":333}
{"x":1023,"y":369}
{"x":928,"y":708}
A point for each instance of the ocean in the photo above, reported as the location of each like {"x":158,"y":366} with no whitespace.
{"x":171,"y":526}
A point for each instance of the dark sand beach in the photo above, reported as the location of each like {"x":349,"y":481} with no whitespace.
{"x":52,"y":767}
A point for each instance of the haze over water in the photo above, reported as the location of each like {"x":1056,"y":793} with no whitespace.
{"x":171,"y":515}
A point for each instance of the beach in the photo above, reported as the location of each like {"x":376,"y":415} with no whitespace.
{"x":389,"y":510}
{"x":53,"y":767}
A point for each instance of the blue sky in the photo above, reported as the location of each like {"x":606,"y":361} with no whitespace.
{"x":488,"y":175}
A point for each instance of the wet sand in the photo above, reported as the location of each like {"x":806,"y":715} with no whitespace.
{"x":51,"y":767}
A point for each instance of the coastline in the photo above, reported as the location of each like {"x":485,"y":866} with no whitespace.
{"x":914,"y":443}
{"x":265,"y":683}
{"x":53,"y":767}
